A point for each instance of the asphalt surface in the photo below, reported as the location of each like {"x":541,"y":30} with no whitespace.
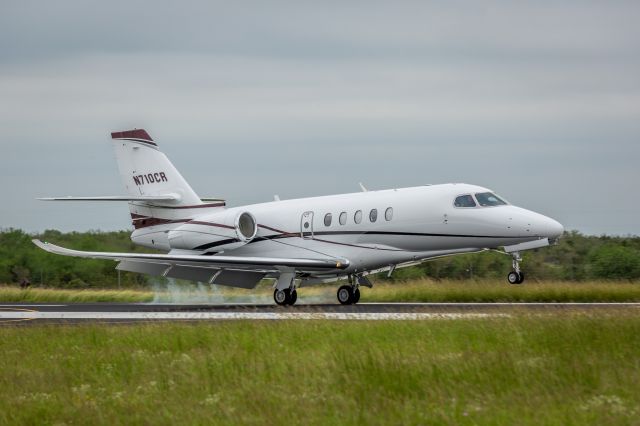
{"x":19,"y":313}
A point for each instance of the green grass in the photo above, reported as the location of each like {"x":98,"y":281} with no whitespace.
{"x":557,"y":370}
{"x":423,"y":290}
{"x":39,"y":295}
{"x":500,"y":291}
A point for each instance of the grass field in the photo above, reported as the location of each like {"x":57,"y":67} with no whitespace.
{"x":557,"y":370}
{"x":411,"y":291}
{"x":501,"y":291}
{"x":36,"y":295}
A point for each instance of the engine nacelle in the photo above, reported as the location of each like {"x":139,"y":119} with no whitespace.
{"x":225,"y":230}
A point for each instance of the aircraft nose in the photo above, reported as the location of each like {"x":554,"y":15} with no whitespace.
{"x":550,"y":228}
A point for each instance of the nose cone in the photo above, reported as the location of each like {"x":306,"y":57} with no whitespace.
{"x":549,"y":228}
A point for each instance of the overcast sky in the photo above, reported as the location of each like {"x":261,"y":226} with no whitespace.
{"x":539,"y":101}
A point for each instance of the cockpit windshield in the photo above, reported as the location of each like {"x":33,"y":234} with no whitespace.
{"x":464,"y":201}
{"x":488,"y":199}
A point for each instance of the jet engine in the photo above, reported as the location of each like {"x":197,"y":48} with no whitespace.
{"x":225,"y":230}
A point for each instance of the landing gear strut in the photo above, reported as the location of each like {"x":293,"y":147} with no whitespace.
{"x":285,"y":296}
{"x":516,"y":276}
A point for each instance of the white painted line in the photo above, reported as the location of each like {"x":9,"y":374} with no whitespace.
{"x":241,"y":315}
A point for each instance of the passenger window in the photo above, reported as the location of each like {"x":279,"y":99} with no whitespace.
{"x":388,"y":214}
{"x":357,"y":218}
{"x":464,"y":201}
{"x":373,"y":215}
{"x":327,"y":219}
{"x":343,"y":218}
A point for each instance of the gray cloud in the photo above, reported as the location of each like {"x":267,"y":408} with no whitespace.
{"x":540,"y":101}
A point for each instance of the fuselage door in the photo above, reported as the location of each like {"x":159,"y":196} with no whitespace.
{"x":306,"y":225}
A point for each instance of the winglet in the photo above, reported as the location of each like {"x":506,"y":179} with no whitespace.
{"x":52,"y":248}
{"x":43,"y":246}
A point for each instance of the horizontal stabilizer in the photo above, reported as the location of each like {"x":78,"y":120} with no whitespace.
{"x":235,"y":262}
{"x":161,"y":197}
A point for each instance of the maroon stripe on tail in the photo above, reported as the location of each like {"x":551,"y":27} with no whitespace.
{"x":132,"y":134}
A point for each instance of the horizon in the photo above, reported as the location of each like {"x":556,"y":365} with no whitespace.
{"x":539,"y":102}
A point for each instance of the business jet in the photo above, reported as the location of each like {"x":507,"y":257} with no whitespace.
{"x":306,"y":241}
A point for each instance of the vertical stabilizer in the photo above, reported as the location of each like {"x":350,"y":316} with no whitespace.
{"x":146,"y":171}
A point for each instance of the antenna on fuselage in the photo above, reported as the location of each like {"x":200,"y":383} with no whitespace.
{"x":362,"y":187}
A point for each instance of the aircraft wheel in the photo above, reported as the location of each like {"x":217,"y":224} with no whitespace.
{"x":514,"y":277}
{"x":293,"y":296}
{"x":282,"y":297}
{"x":521,"y":277}
{"x":356,"y":295}
{"x":345,"y":295}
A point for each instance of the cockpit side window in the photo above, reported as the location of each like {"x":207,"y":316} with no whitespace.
{"x":489,"y":199}
{"x":464,"y":201}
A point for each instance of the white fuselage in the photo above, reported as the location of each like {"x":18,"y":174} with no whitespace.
{"x":423,"y":223}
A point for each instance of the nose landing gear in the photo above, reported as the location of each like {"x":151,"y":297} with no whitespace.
{"x":516,"y":276}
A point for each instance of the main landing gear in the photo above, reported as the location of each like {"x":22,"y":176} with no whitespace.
{"x":350,"y":294}
{"x":285,"y":296}
{"x":285,"y":292}
{"x":347,"y":294}
{"x":516,"y":276}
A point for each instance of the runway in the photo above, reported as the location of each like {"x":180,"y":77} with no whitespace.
{"x":18,"y":313}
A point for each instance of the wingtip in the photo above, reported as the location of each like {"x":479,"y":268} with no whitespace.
{"x":38,"y":243}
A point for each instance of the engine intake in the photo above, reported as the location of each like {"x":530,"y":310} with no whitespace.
{"x":246,"y":226}
{"x":225,"y":230}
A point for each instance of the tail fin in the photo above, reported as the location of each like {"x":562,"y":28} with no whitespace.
{"x":147,"y":172}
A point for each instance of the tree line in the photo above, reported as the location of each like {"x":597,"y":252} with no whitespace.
{"x":576,"y":257}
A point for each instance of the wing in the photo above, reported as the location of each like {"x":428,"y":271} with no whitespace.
{"x":238,"y":271}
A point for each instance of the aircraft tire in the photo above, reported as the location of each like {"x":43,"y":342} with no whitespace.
{"x":513,"y":277}
{"x":521,"y":279}
{"x":293,"y":296}
{"x":356,"y":296}
{"x":282,"y":297}
{"x":345,"y":295}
